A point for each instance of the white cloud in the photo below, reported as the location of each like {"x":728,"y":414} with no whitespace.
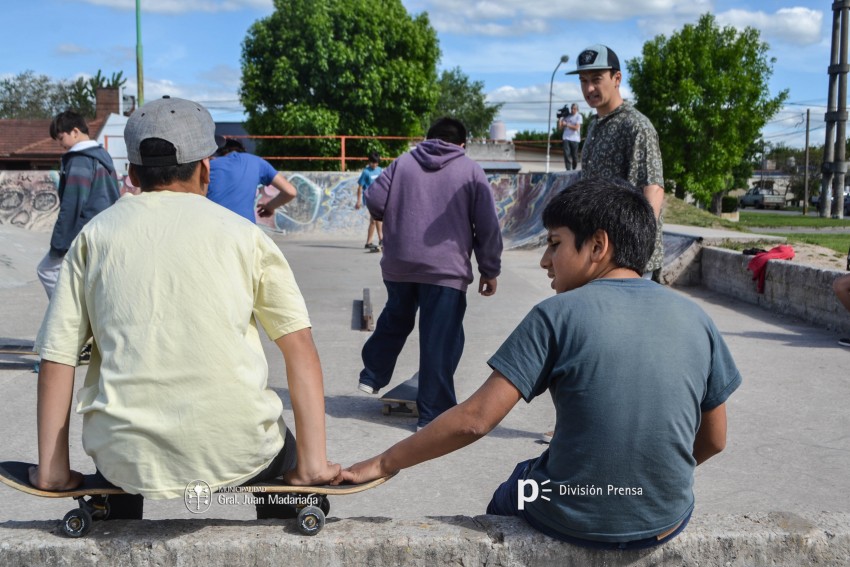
{"x":67,"y":49}
{"x":509,"y":17}
{"x":183,"y":6}
{"x":798,"y":26}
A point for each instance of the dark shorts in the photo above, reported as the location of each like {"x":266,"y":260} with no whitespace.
{"x":505,"y":503}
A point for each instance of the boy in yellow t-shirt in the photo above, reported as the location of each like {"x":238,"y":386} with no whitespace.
{"x":169,"y":285}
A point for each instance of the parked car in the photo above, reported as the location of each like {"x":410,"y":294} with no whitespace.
{"x":760,"y":198}
{"x":815,"y":201}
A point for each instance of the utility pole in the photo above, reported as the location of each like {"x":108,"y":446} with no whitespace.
{"x":564,"y":59}
{"x":806,"y":170}
{"x":140,"y":75}
{"x":835,"y":147}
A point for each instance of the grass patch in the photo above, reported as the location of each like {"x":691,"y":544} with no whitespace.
{"x":676,"y":211}
{"x":837,"y":242}
{"x":767,"y":220}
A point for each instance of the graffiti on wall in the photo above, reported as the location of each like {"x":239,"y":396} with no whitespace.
{"x":325,"y":203}
{"x":28,"y":199}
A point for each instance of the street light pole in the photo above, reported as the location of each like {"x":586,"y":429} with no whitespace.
{"x":140,"y":75}
{"x":564,"y":59}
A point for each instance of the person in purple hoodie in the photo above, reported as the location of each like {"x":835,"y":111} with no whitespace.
{"x":437,"y":208}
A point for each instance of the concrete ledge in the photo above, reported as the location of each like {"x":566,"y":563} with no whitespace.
{"x":791,"y":289}
{"x":723,"y":541}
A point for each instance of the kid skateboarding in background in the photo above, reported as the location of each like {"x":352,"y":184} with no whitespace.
{"x":170,"y":285}
{"x":367,"y":177}
{"x":631,"y":424}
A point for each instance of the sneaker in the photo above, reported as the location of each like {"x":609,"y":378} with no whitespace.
{"x":547,"y":437}
{"x":85,"y":354}
{"x":844,"y":342}
{"x":367,"y":388}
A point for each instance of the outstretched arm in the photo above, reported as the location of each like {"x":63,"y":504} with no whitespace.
{"x":457,"y":428}
{"x":711,"y":435}
{"x":287,"y":193}
{"x":306,"y":390}
{"x":55,"y":392}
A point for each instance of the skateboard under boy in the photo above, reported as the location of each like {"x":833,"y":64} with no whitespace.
{"x":93,"y":497}
{"x":401,"y":400}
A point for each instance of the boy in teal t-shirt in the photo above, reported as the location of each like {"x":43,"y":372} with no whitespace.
{"x":639,"y":376}
{"x":369,"y":175}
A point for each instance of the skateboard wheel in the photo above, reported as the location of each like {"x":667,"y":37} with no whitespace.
{"x":311,"y":520}
{"x":76,"y":523}
{"x":385,"y":410}
{"x":325,"y":505}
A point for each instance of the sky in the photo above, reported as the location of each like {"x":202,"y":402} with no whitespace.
{"x":192,"y":48}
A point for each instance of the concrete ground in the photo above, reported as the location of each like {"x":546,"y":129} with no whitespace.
{"x":788,"y":448}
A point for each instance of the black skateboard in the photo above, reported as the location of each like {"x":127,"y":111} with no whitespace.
{"x":93,"y":497}
{"x":401,"y":400}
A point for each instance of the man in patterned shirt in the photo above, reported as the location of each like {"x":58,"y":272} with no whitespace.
{"x":621,"y":142}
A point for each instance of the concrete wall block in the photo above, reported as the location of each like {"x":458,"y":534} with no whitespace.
{"x":791,"y":289}
{"x":753,"y":540}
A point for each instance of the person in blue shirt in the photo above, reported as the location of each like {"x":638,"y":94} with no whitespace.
{"x":235,"y":176}
{"x":370,"y":174}
{"x":638,"y":373}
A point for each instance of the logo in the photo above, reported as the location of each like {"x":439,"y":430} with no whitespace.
{"x":197,"y":497}
{"x":536,"y":491}
{"x":587,"y":57}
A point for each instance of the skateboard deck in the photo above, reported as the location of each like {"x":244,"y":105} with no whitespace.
{"x":77,"y":522}
{"x":401,"y":400}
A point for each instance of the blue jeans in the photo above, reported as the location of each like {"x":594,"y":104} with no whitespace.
{"x":505,"y":503}
{"x":441,"y":310}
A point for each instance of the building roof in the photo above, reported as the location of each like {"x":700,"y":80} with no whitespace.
{"x":29,"y":140}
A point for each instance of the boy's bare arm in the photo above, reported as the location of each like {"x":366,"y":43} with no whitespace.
{"x":287,"y":193}
{"x":655,"y":195}
{"x":306,"y":391}
{"x":711,"y":435}
{"x":55,"y":392}
{"x":457,"y":428}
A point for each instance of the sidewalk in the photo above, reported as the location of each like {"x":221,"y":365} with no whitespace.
{"x":789,"y":414}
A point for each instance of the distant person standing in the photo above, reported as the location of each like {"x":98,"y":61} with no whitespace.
{"x":235,"y":176}
{"x":438,"y":210}
{"x":620,"y":141}
{"x":369,"y":175}
{"x":571,"y":126}
{"x":87,"y":185}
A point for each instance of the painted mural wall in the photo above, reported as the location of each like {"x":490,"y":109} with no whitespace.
{"x":325,"y":203}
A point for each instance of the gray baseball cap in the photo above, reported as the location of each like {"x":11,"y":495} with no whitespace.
{"x":596,"y":58}
{"x":187,"y":125}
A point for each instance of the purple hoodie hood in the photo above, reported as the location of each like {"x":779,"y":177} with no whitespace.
{"x":436,"y":154}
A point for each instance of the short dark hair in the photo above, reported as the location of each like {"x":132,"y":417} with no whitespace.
{"x":153,"y":176}
{"x":65,"y":122}
{"x":612,"y":205}
{"x":230,"y":145}
{"x":448,"y":130}
{"x":374,"y":157}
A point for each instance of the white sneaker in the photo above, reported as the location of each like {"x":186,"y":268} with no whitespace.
{"x":366,"y":388}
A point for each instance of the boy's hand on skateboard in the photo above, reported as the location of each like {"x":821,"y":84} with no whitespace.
{"x":299,"y":477}
{"x":43,"y":480}
{"x":362,"y":472}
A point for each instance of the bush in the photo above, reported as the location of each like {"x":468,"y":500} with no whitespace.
{"x":729,"y":204}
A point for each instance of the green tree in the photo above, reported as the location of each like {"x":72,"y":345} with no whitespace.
{"x":463,"y":99}
{"x":706,"y":91}
{"x":347,"y":67}
{"x":31,"y":97}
